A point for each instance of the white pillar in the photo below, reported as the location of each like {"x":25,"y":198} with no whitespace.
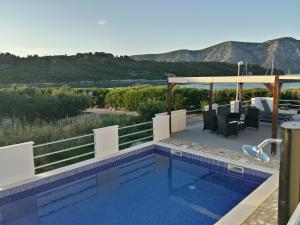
{"x":161,"y":127}
{"x":106,"y":141}
{"x":178,"y":119}
{"x":16,"y":163}
{"x":234,"y":106}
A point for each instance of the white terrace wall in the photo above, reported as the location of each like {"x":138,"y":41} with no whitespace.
{"x":161,"y":128}
{"x":16,"y":163}
{"x":178,"y":120}
{"x":106,"y":141}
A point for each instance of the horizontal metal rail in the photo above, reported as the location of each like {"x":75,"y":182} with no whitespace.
{"x":195,"y":110}
{"x":140,"y":139}
{"x":284,"y":104}
{"x":192,"y":116}
{"x":135,"y":125}
{"x":224,"y":105}
{"x":63,"y":150}
{"x":286,"y":100}
{"x":64,"y":160}
{"x":63,"y":140}
{"x":246,"y":102}
{"x":134,"y":133}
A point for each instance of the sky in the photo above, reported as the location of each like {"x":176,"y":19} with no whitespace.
{"x":127,"y":27}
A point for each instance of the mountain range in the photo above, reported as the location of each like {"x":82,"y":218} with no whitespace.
{"x":286,"y":52}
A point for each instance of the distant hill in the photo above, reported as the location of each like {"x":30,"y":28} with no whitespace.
{"x":285,"y":50}
{"x":102,"y":67}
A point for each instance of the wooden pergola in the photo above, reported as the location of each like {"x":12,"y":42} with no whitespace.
{"x":273,"y":83}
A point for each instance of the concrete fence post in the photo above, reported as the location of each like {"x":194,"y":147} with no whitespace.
{"x":161,"y":127}
{"x":16,"y":163}
{"x":106,"y":141}
{"x":178,"y":119}
{"x":234,"y":106}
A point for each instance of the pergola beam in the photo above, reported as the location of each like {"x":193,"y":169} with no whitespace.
{"x":223,"y":79}
{"x":169,"y":101}
{"x":269,"y":86}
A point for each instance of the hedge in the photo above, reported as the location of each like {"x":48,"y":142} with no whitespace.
{"x":131,"y":98}
{"x":183,"y":98}
{"x":31,"y":104}
{"x":22,"y":102}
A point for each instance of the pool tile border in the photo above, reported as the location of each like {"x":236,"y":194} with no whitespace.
{"x":49,"y":179}
{"x":211,"y":163}
{"x":53,"y":178}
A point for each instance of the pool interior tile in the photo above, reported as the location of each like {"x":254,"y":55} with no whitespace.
{"x":68,"y":176}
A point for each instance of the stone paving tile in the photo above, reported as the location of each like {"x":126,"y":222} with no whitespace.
{"x":226,"y":153}
{"x":266,"y":213}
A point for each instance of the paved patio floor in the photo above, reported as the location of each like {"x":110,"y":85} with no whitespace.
{"x":250,"y":136}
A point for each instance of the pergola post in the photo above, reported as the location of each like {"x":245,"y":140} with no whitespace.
{"x":211,"y":96}
{"x":169,"y":101}
{"x":275,"y":113}
{"x":241,"y":92}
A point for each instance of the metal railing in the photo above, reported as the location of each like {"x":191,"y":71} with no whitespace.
{"x":63,"y":152}
{"x":140,"y":132}
{"x":289,"y":104}
{"x":55,"y":154}
{"x":246,"y":103}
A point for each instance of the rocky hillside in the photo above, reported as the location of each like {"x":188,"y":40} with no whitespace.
{"x":285,"y":50}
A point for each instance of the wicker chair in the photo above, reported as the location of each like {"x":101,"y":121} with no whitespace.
{"x":210,"y":120}
{"x":223,"y":110}
{"x":252,"y":118}
{"x":226,"y":127}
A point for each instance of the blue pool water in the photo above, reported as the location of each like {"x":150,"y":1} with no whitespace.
{"x":155,"y":188}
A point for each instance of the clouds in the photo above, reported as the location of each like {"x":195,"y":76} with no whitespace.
{"x":102,"y":22}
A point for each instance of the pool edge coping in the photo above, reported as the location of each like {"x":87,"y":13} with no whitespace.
{"x":235,"y":216}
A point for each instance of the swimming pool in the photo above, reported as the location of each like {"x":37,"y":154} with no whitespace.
{"x":147,"y":186}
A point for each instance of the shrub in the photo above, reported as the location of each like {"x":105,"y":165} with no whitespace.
{"x":41,"y":132}
{"x":31,"y":104}
{"x":148,"y":109}
{"x":97,"y":95}
{"x":224,"y":96}
{"x":188,"y":98}
{"x":131,"y":98}
{"x":290,"y":94}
